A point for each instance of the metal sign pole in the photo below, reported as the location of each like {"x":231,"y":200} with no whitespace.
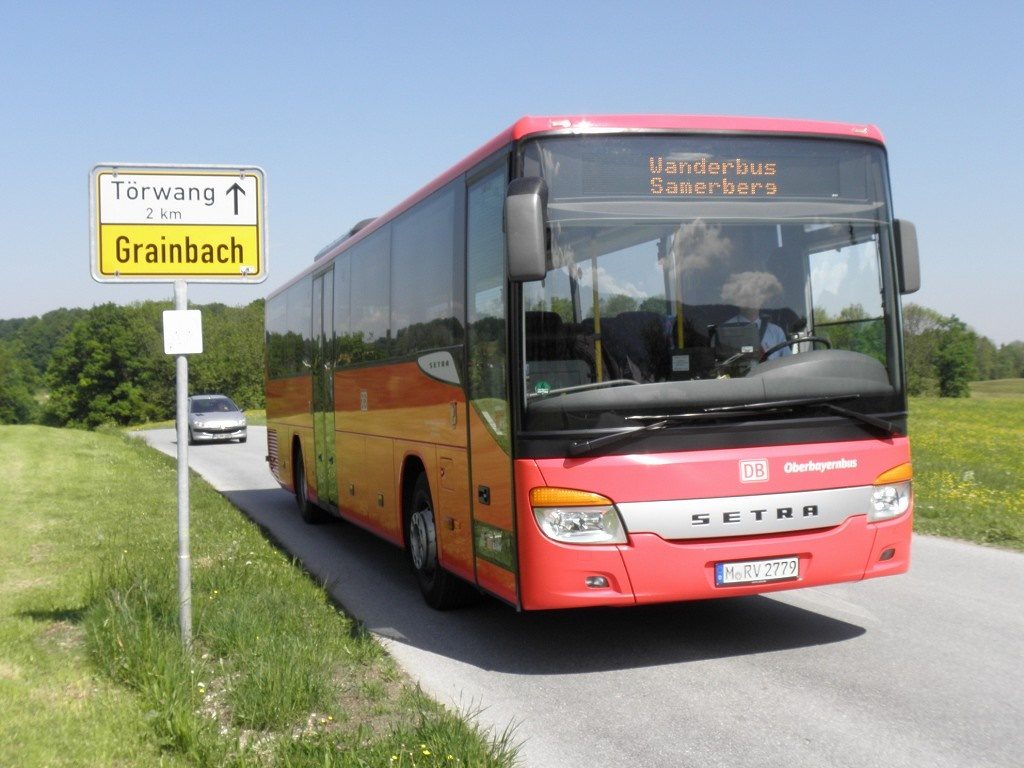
{"x":184,"y":558}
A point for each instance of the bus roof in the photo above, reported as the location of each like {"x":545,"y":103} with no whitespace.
{"x":581,"y":124}
{"x":598,"y":124}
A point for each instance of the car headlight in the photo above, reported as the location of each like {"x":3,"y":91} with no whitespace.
{"x":577,"y":517}
{"x":892,"y":494}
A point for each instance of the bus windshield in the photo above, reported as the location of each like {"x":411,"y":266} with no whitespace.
{"x":700,"y":272}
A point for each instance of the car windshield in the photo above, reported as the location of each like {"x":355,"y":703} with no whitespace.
{"x":710,"y":266}
{"x":213,"y":405}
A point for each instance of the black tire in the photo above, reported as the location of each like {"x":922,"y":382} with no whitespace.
{"x":310,"y":512}
{"x":441,"y":590}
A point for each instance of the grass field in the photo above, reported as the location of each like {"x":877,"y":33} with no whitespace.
{"x":985,"y":390}
{"x":968,"y":459}
{"x":92,"y":671}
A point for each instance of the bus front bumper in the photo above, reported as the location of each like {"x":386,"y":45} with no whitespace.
{"x":649,"y":569}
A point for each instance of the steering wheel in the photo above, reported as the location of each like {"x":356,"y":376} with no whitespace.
{"x":783,"y":344}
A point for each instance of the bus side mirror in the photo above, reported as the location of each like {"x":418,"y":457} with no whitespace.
{"x":526,"y":207}
{"x":906,"y":256}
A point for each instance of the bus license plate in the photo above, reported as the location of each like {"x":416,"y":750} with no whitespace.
{"x":757,"y":571}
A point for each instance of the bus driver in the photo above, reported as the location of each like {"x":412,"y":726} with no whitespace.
{"x":750,"y":291}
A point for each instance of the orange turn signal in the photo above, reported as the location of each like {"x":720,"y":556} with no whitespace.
{"x":566,"y":497}
{"x":898,"y":474}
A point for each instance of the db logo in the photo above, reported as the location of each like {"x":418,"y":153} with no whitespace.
{"x":754,"y":471}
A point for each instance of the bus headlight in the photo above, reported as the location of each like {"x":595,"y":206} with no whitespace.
{"x":577,"y":517}
{"x":892,"y":494}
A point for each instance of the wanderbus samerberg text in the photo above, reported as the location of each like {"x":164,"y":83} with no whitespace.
{"x":613,"y":361}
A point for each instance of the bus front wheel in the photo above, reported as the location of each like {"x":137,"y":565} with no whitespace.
{"x":441,"y":589}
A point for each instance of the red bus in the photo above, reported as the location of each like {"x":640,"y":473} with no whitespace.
{"x":613,"y":360}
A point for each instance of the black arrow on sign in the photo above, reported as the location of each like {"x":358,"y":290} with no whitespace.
{"x":236,"y":189}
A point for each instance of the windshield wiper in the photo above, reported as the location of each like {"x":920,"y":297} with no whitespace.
{"x":885,"y":426}
{"x":829,"y":403}
{"x":583,"y":447}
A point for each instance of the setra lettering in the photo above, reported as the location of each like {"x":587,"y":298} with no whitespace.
{"x":733,"y":517}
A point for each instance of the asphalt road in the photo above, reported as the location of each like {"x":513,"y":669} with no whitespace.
{"x":923,"y":670}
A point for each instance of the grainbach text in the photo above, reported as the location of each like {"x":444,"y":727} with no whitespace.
{"x":184,"y":252}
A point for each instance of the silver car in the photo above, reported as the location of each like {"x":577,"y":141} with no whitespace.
{"x":214,"y":417}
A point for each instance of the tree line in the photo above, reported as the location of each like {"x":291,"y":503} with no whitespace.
{"x":944,"y":354}
{"x":106,"y":365}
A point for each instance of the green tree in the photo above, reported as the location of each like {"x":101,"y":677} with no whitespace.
{"x":656,"y":304}
{"x":40,"y":335}
{"x":9,"y":329}
{"x":1010,"y":361}
{"x":852,"y":329}
{"x":18,"y":382}
{"x":232,"y":358}
{"x":111,"y":369}
{"x":617,"y":303}
{"x":985,"y":358}
{"x":563,"y":306}
{"x":954,"y":359}
{"x":921,"y":332}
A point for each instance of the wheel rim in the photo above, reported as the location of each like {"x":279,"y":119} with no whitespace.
{"x":422,"y":540}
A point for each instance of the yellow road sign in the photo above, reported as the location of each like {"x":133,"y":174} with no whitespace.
{"x":166,"y":223}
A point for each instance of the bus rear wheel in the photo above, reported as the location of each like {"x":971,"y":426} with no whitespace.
{"x":310,"y":512}
{"x":442,"y":590}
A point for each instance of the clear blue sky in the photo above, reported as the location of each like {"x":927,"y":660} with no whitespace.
{"x":351,"y":106}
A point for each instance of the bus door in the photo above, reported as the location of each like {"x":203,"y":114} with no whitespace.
{"x":323,"y":388}
{"x":491,"y":493}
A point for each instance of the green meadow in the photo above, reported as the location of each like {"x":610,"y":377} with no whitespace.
{"x":92,"y":669}
{"x":968,"y":459}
